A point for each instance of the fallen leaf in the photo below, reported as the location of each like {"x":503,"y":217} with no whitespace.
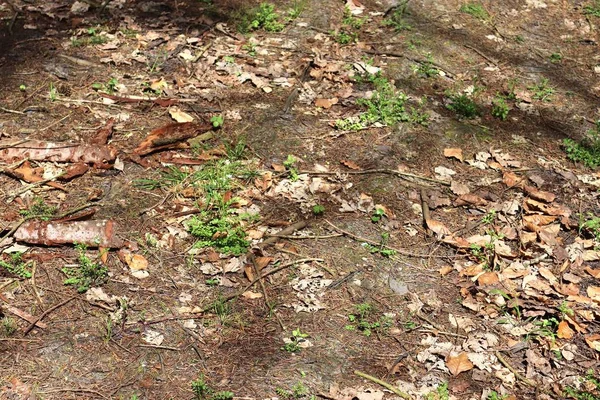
{"x":179,"y":115}
{"x":351,"y":164}
{"x":510,"y":179}
{"x":252,"y":295}
{"x":564,"y":330}
{"x":593,"y":292}
{"x":593,"y":341}
{"x":539,"y":194}
{"x":438,"y":228}
{"x":593,"y":272}
{"x":454,"y":152}
{"x":459,"y":188}
{"x":326,"y":103}
{"x":458,"y":364}
{"x":445,"y":270}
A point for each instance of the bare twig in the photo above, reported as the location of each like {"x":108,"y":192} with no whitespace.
{"x":6,"y":110}
{"x":37,"y":295}
{"x":45,"y":313}
{"x":513,"y":370}
{"x":384,"y":384}
{"x":153,"y":346}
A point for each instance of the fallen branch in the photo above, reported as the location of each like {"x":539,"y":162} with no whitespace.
{"x":380,"y":171}
{"x":384,"y":384}
{"x":513,"y":370}
{"x":25,"y":316}
{"x":45,"y":313}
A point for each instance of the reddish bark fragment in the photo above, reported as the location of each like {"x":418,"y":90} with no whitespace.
{"x":104,"y":133}
{"x":170,"y":136}
{"x":60,"y":152}
{"x":73,"y":171}
{"x":95,"y":233}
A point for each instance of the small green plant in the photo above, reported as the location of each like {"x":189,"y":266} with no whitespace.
{"x":212,"y":282}
{"x":493,"y":395}
{"x":593,"y":10}
{"x":476,"y":10}
{"x":297,"y":391}
{"x":318,"y":209}
{"x":363,"y":321}
{"x":352,"y":21}
{"x":377,"y":215}
{"x":16,"y":266}
{"x":441,"y":393}
{"x":52,"y":92}
{"x":345,"y":37}
{"x":542,"y":91}
{"x":93,"y":37}
{"x":350,"y":25}
{"x":500,"y":107}
{"x":489,"y":217}
{"x":235,"y":151}
{"x":250,"y":49}
{"x":39,"y":209}
{"x":87,"y":273}
{"x":591,"y":225}
{"x":23,"y":88}
{"x":217,"y":121}
{"x":9,"y":326}
{"x":565,"y":310}
{"x":266,"y":18}
{"x":222,"y":309}
{"x":397,"y":18}
{"x":556,"y":58}
{"x":587,"y":151}
{"x":463,"y":106}
{"x":200,"y":388}
{"x":381,"y":249}
{"x":293,"y":346}
{"x":290,"y":166}
{"x":588,"y":390}
{"x":225,"y":395}
{"x":426,"y":69}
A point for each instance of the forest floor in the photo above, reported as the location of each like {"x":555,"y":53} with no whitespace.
{"x":347,"y":200}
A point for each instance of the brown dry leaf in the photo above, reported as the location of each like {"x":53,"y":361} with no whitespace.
{"x":454,"y":152}
{"x":37,"y":150}
{"x":593,"y":272}
{"x":438,"y":228}
{"x":278,"y":167}
{"x":470,"y":199}
{"x":539,"y":194}
{"x":170,"y":136}
{"x":502,"y":249}
{"x":535,"y":221}
{"x":591,"y":255}
{"x":249,"y":271}
{"x":593,"y":341}
{"x":472,"y":270}
{"x":262,"y":262}
{"x":546,"y":273}
{"x":179,"y":115}
{"x":564,"y":330}
{"x":528,"y":237}
{"x":326,"y":103}
{"x":265,"y":181}
{"x":578,"y":327}
{"x":252,"y":295}
{"x":136,"y":262}
{"x":445,"y":270}
{"x":459,"y":188}
{"x":350,"y":164}
{"x":488,"y":278}
{"x":593,"y":292}
{"x":458,"y":364}
{"x":510,"y":179}
{"x":567,"y":289}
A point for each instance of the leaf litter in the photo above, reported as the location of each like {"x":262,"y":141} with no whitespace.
{"x":515,"y":236}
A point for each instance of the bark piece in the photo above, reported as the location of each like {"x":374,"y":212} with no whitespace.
{"x":95,"y":233}
{"x":100,"y":156}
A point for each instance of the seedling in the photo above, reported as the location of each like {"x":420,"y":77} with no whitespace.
{"x":493,"y":395}
{"x":264,"y":17}
{"x":9,"y":326}
{"x":52,"y":92}
{"x":23,"y":88}
{"x":426,"y":69}
{"x":200,"y":388}
{"x":593,"y":10}
{"x":352,"y":21}
{"x":217,"y":121}
{"x":350,"y":25}
{"x":290,"y":166}
{"x":377,"y":215}
{"x":16,"y":266}
{"x":381,"y":249}
{"x":235,"y":151}
{"x":555,"y":58}
{"x":441,"y":393}
{"x":489,"y":217}
{"x":476,"y":10}
{"x":298,"y":391}
{"x":500,"y":107}
{"x":565,"y":310}
{"x":293,"y":346}
{"x":318,"y":209}
{"x":591,"y":225}
{"x":588,"y":150}
{"x":87,"y":274}
{"x":93,"y":38}
{"x":362,"y":320}
{"x":463,"y":106}
{"x":250,"y":49}
{"x":588,"y":390}
{"x":396,"y":18}
{"x":542,"y":91}
{"x":39,"y":209}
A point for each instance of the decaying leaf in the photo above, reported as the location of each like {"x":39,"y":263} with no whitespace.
{"x":454,"y":152}
{"x":564,"y":331}
{"x":459,"y":363}
{"x":326,"y":103}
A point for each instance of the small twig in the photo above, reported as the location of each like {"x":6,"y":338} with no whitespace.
{"x":153,"y":346}
{"x":56,"y":122}
{"x":384,"y":384}
{"x":37,"y":295}
{"x":378,"y":244}
{"x":6,"y":110}
{"x":307,"y":237}
{"x":481,"y":54}
{"x":379,"y":171}
{"x":514,"y":371}
{"x":75,"y":390}
{"x":31,"y":186}
{"x":45,"y":313}
{"x":437,"y":332}
{"x":18,"y":340}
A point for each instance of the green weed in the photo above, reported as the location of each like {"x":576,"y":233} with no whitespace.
{"x":39,"y":209}
{"x":318,"y":209}
{"x":297,"y":391}
{"x":87,"y":273}
{"x":294,"y":345}
{"x":590,"y":388}
{"x":23,"y":88}
{"x":350,"y":25}
{"x":397,"y":18}
{"x":93,"y":37}
{"x":441,"y":393}
{"x":290,"y":166}
{"x":16,"y":266}
{"x":555,"y":58}
{"x":476,"y":10}
{"x":463,"y":106}
{"x":381,"y":249}
{"x":9,"y":326}
{"x":493,"y":395}
{"x":489,"y":217}
{"x":587,"y":151}
{"x":593,"y":10}
{"x":426,"y":69}
{"x":263,"y":17}
{"x":542,"y":91}
{"x":217,"y":121}
{"x":52,"y":92}
{"x":362,"y":320}
{"x":110,"y":86}
{"x":590,"y":224}
{"x":500,"y":107}
{"x":202,"y":391}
